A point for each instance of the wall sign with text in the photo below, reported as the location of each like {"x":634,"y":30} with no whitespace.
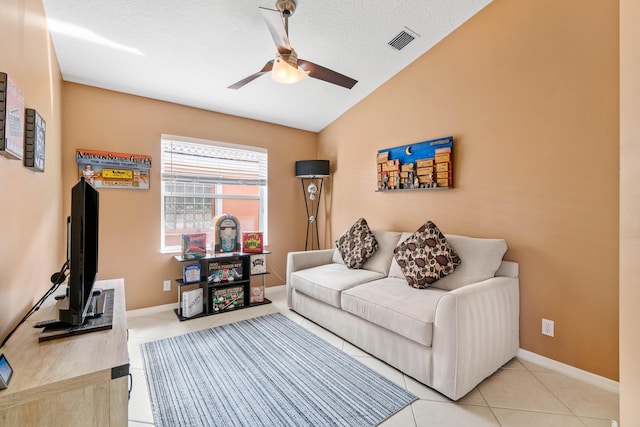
{"x":107,"y":169}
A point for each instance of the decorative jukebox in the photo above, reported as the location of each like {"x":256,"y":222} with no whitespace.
{"x":226,"y":233}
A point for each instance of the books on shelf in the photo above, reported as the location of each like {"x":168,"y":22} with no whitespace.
{"x":191,"y":273}
{"x":192,"y":303}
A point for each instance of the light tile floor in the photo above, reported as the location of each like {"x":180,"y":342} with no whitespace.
{"x":520,"y":394}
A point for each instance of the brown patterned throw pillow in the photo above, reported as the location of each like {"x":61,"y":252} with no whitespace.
{"x":426,"y":256}
{"x":357,"y":244}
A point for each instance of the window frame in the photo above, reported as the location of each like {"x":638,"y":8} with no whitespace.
{"x":215,"y":196}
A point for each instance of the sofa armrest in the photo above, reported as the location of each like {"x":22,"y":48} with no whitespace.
{"x":509,"y":269}
{"x":475,"y":332}
{"x":302,"y":260}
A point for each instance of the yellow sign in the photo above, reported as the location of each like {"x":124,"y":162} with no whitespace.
{"x":117,"y":173}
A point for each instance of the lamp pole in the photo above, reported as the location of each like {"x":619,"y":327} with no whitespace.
{"x":312,"y":174}
{"x":311,"y":193}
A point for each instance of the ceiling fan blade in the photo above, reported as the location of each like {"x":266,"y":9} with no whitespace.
{"x":267,"y":67}
{"x":273,"y":19}
{"x":319,"y":72}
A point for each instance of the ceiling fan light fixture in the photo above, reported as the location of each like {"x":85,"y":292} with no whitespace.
{"x":284,"y":72}
{"x":286,"y":68}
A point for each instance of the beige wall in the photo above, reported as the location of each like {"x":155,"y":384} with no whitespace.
{"x":30,"y":202}
{"x":130,"y":220}
{"x":529,"y":91}
{"x":629,"y":212}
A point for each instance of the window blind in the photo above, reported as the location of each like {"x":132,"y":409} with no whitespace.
{"x":183,"y":161}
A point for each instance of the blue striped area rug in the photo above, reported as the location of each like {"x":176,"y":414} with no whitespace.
{"x":265,"y":371}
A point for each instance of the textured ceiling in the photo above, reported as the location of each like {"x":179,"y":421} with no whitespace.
{"x":189,"y":52}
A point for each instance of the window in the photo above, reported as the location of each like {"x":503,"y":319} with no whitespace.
{"x":203,"y":179}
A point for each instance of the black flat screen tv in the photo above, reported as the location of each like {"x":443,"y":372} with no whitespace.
{"x":82,"y":252}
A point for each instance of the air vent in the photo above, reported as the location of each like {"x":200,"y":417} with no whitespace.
{"x":402,"y":39}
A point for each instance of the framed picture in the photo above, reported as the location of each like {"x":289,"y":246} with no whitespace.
{"x":11,"y":119}
{"x":418,"y":166}
{"x":35,"y":129}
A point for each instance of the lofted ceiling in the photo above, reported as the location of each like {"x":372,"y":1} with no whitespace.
{"x":189,"y":52}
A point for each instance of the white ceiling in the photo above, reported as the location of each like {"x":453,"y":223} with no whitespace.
{"x":188,"y":52}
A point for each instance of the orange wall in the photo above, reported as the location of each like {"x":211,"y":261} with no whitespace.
{"x":130,"y":220}
{"x":629,"y":212}
{"x":529,"y":91}
{"x":30,"y":202}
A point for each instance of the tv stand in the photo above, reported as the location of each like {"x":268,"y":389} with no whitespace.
{"x":98,"y":303}
{"x":76,"y":381}
{"x":99,"y":317}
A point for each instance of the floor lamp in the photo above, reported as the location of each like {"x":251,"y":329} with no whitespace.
{"x":312,"y":174}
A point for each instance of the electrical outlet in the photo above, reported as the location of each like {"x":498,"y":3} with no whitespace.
{"x":167,"y":285}
{"x":547,"y":327}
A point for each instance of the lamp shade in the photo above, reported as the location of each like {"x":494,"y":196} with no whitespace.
{"x":283,"y":72}
{"x":312,"y":168}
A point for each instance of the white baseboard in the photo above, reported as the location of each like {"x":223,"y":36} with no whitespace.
{"x":153,"y":310}
{"x":570,"y":371}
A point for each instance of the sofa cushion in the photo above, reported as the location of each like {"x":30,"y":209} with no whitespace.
{"x":426,"y":256}
{"x":393,"y":305}
{"x":481,"y":258}
{"x":357,"y":244}
{"x":381,"y":260}
{"x":394,"y":269}
{"x":325,"y":282}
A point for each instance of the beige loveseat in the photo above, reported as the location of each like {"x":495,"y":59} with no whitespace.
{"x":449,"y":336}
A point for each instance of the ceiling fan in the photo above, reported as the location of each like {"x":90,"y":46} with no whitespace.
{"x":287,"y":67}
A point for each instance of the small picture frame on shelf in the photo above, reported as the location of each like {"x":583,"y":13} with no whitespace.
{"x":191,"y":273}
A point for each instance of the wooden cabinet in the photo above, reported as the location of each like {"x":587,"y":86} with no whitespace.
{"x":80,"y":380}
{"x":225,"y":279}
